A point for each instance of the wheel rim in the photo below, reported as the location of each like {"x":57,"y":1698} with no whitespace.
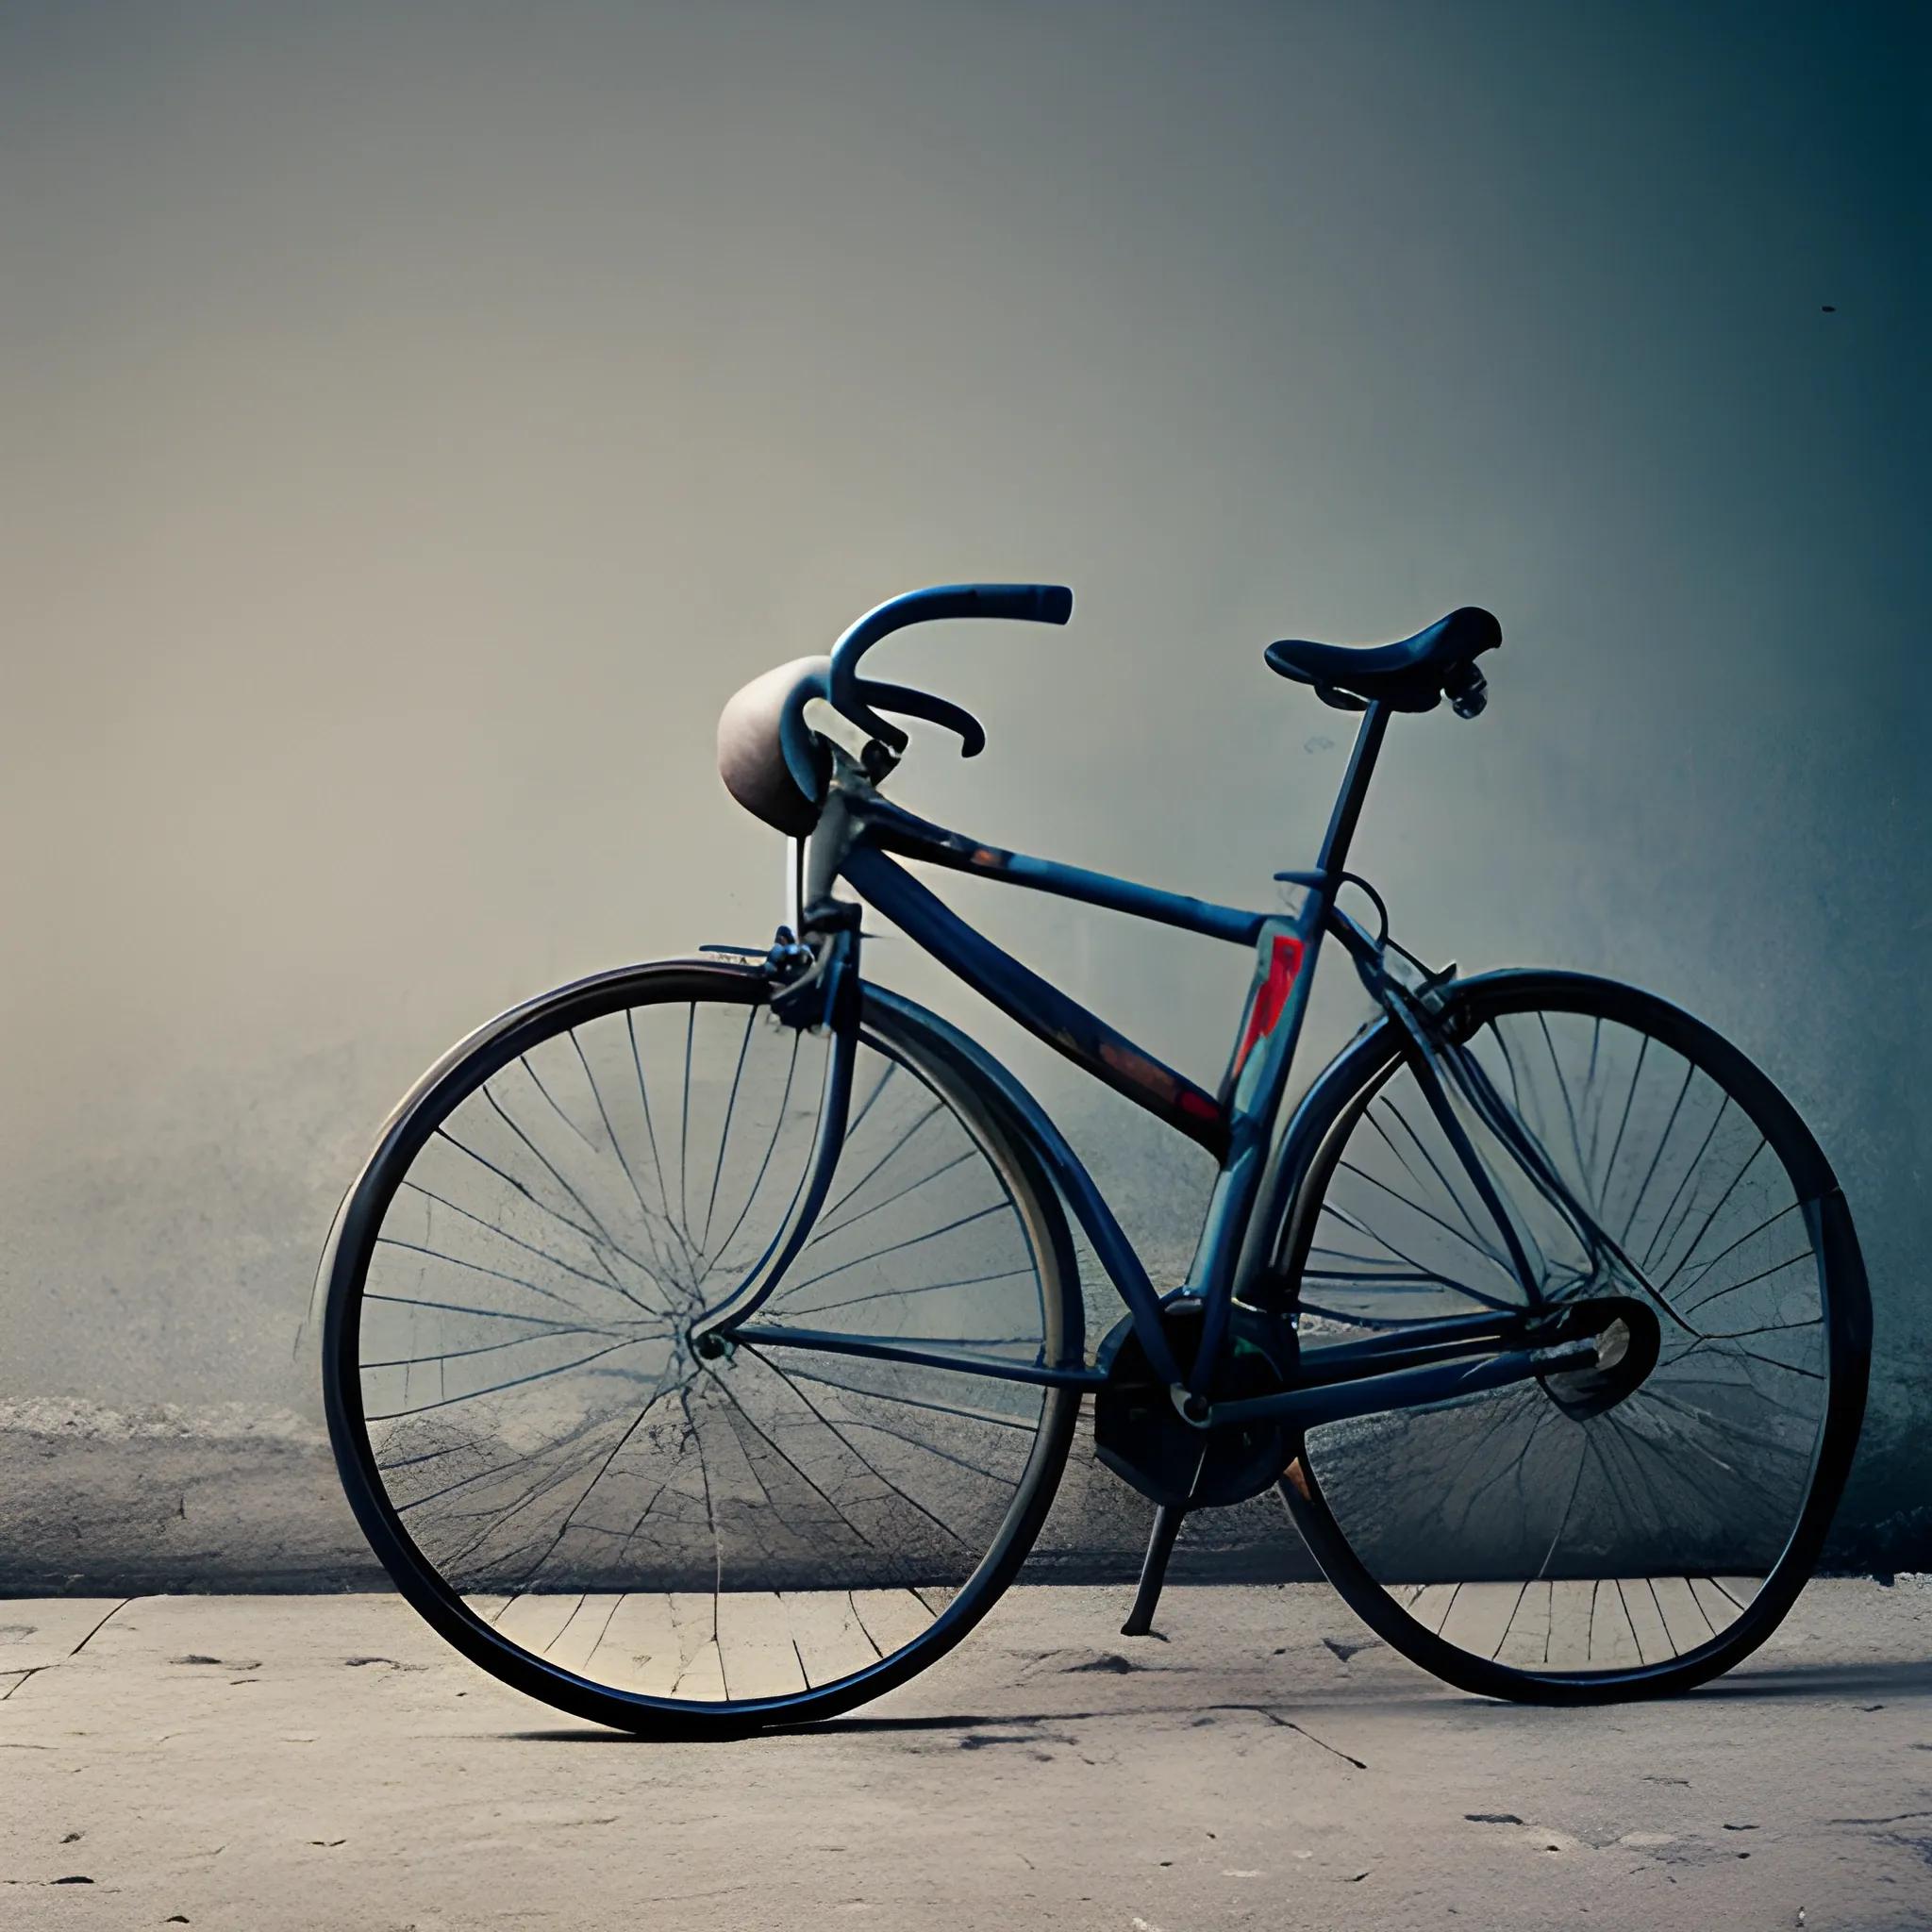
{"x":1538,"y":1536}
{"x":602,"y":1503}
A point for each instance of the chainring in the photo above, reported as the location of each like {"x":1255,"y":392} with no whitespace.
{"x":1141,"y":1435}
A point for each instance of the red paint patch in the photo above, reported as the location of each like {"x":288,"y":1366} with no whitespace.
{"x":1271,"y":998}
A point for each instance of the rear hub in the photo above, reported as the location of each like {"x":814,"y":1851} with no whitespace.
{"x":1628,"y":1340}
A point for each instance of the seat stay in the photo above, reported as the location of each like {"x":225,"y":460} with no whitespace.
{"x":1428,"y":1077}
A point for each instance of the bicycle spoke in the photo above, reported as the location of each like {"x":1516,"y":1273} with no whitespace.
{"x":771,"y":1147}
{"x":545,"y":1321}
{"x":1723,"y":1202}
{"x":516,"y":1382}
{"x":828,"y":1222}
{"x":970,"y":1415}
{"x":1561,"y":1524}
{"x":1477,"y":1246}
{"x":1629,"y":1100}
{"x":1689,"y":1175}
{"x":896,"y":1294}
{"x":1462,"y":1287}
{"x":646,"y":1214}
{"x":1663,"y":1140}
{"x":1442,"y":1179}
{"x":706,"y":1529}
{"x":644,"y":1102}
{"x":602,"y":1233}
{"x":724,"y":1131}
{"x":490,"y":1273}
{"x":826,"y":1230}
{"x":492,"y":1228}
{"x":609,"y":1280}
{"x":896,"y":1247}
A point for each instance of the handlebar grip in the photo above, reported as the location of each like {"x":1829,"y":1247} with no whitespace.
{"x":1025,"y":603}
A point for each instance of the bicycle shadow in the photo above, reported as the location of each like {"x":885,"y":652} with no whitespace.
{"x":1821,"y":1683}
{"x":834,"y":1726}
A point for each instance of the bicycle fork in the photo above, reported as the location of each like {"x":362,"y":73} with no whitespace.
{"x":822,"y":993}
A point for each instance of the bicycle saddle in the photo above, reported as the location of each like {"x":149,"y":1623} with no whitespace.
{"x":1413,"y":675}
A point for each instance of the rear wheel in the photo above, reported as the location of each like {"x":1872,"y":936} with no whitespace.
{"x":570,"y":1492}
{"x":1640,"y":1528}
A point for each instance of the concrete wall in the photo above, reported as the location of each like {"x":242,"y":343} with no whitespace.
{"x":419,"y":420}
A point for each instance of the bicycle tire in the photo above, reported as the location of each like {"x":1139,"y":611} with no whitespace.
{"x":1525,"y":1547}
{"x":665,"y":1544}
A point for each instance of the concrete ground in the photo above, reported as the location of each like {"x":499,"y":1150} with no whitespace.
{"x":324,"y":1761}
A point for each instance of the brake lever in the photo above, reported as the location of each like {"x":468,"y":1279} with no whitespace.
{"x":916,"y":704}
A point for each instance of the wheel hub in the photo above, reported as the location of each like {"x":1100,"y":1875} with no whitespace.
{"x":1628,"y":1340}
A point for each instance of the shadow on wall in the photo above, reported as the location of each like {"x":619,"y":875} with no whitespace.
{"x":418,"y":420}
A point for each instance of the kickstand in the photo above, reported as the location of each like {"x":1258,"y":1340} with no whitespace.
{"x":1167,"y":1525}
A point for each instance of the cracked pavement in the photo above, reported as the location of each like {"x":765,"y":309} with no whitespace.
{"x":325,"y":1761}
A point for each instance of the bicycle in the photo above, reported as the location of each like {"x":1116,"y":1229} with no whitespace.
{"x":1540,"y":1310}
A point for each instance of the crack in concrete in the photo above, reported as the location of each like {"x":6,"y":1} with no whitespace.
{"x":1289,"y":1724}
{"x":100,"y":1626}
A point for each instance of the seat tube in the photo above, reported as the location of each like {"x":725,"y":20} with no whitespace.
{"x":1288,"y":949}
{"x":1355,"y":788}
{"x":1257,"y":1088}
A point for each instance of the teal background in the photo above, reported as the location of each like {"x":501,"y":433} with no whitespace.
{"x":418,"y":421}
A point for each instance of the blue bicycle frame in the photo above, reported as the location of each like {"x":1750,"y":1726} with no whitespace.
{"x":859,"y":836}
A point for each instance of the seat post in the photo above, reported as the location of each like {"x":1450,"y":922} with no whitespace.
{"x":1355,"y":788}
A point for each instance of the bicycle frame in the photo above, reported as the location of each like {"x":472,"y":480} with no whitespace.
{"x":858,"y":838}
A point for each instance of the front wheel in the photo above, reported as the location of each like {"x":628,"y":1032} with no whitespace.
{"x":1573,"y":1539}
{"x":666,"y":1537}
